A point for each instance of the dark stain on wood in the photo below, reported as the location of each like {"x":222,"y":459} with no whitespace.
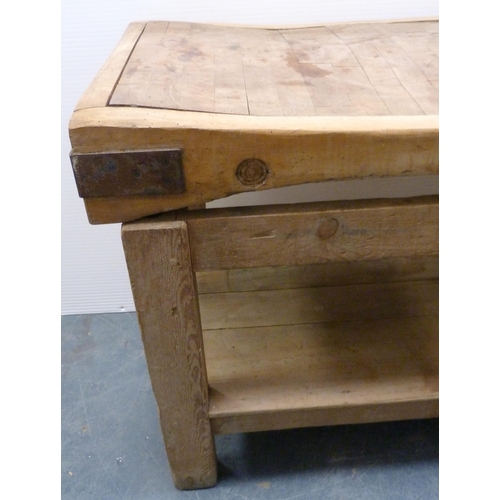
{"x":305,"y":69}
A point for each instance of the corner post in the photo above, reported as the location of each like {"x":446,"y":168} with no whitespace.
{"x":165,"y":295}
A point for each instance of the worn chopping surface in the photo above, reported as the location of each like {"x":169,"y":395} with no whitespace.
{"x":372,"y":69}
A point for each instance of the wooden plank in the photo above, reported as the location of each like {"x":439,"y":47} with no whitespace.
{"x":104,"y":83}
{"x":410,"y":76}
{"x":303,"y":62}
{"x":295,"y":149}
{"x":313,"y":233}
{"x":316,"y":275}
{"x":322,"y":374}
{"x":319,"y":304}
{"x":318,"y":417}
{"x":395,"y":96}
{"x":158,"y":259}
{"x":230,"y":92}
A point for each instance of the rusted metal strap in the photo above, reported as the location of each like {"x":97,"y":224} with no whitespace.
{"x":129,"y":173}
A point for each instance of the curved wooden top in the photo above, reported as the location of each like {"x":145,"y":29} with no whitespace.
{"x":312,"y":103}
{"x":350,"y":70}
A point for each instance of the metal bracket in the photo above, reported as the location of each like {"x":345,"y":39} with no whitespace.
{"x":128,"y":173}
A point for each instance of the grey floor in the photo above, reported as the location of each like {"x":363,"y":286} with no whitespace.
{"x":112,"y":446}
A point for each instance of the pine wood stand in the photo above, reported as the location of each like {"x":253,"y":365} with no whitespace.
{"x":271,"y":317}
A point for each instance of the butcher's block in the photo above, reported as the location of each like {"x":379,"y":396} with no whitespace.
{"x":275,"y":316}
{"x":182,"y":113}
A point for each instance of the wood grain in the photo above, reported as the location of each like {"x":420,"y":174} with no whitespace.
{"x":164,"y":288}
{"x":280,"y":357}
{"x":353,"y":371}
{"x":101,"y":88}
{"x":347,"y":329}
{"x":296,"y":150}
{"x":365,"y":69}
{"x":319,"y":305}
{"x":314,"y":275}
{"x":345,"y":101}
{"x":313,"y":233}
{"x":381,"y":411}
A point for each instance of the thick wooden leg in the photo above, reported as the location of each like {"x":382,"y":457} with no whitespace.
{"x":164,"y":288}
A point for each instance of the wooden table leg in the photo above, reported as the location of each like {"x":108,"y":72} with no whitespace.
{"x":164,"y":288}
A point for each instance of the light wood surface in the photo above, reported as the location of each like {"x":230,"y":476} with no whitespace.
{"x":335,"y":318}
{"x":363,"y":69}
{"x":164,"y":288}
{"x":335,"y":343}
{"x":321,"y":355}
{"x":295,"y":149}
{"x":310,"y":305}
{"x":313,"y":233}
{"x":350,"y":340}
{"x":323,"y":103}
{"x":98,"y":93}
{"x":314,"y":275}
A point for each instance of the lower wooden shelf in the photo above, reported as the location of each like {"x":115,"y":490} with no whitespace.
{"x":321,"y":355}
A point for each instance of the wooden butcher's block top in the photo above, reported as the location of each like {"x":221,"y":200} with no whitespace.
{"x":182,"y":114}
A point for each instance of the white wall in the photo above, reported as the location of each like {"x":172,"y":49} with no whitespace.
{"x":94,"y":276}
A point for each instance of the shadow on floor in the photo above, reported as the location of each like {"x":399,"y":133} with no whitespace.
{"x":349,"y":447}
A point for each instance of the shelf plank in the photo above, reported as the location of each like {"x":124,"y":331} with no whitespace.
{"x":314,"y":275}
{"x":322,"y":374}
{"x":427,"y":407}
{"x":321,"y":355}
{"x":319,"y":304}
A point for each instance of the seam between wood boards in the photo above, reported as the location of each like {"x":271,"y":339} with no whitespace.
{"x":124,"y":66}
{"x":322,"y":24}
{"x":318,"y":286}
{"x":336,"y":322}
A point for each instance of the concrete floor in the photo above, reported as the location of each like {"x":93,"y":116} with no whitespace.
{"x":112,"y":446}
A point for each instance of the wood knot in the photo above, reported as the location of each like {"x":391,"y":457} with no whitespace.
{"x":327,"y":229}
{"x":252,"y":172}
